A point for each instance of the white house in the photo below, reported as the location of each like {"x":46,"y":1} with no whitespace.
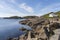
{"x":53,"y":15}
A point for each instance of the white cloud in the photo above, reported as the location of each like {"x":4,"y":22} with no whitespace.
{"x":50,"y":8}
{"x":8,"y":10}
{"x":26,"y":7}
{"x":1,"y":6}
{"x":12,"y":1}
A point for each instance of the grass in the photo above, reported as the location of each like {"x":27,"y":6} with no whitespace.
{"x":47,"y":15}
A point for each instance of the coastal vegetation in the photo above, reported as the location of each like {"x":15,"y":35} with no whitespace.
{"x":47,"y":15}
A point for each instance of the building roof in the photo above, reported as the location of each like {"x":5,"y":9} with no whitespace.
{"x":53,"y":15}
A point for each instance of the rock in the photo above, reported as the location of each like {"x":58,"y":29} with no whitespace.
{"x":24,"y":22}
{"x":23,"y":29}
{"x":33,"y":23}
{"x":56,"y":36}
{"x":57,"y":31}
{"x":54,"y":26}
{"x":42,"y":29}
{"x":38,"y":27}
{"x":23,"y":37}
{"x":13,"y":38}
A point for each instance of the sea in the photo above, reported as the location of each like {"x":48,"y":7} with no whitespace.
{"x":9,"y":28}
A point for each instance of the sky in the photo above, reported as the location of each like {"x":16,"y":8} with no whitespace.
{"x":28,"y":7}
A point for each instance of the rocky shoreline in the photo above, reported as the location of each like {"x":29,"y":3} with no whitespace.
{"x":42,"y":29}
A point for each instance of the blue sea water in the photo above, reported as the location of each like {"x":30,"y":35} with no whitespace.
{"x":10,"y":28}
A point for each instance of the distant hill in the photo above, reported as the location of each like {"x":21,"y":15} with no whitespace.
{"x":13,"y":17}
{"x":47,"y":15}
{"x":30,"y":17}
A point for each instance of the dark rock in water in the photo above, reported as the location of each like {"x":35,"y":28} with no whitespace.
{"x":13,"y":38}
{"x":22,"y":29}
{"x":10,"y":38}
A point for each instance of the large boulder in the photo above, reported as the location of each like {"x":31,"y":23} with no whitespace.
{"x":56,"y":36}
{"x":54,"y":26}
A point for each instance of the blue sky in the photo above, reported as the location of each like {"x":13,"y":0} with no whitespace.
{"x":28,"y":7}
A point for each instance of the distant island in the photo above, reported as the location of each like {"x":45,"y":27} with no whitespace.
{"x":17,"y":17}
{"x":13,"y":17}
{"x":30,"y":17}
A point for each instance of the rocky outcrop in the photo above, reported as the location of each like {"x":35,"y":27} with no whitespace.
{"x":56,"y":36}
{"x":42,"y":29}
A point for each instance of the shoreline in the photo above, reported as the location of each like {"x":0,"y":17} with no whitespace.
{"x":42,"y":29}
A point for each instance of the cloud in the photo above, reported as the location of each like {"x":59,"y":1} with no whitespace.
{"x":8,"y":10}
{"x":12,"y":1}
{"x":50,"y":8}
{"x":26,"y":7}
{"x":1,"y":6}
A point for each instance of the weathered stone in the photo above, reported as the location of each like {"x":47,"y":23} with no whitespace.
{"x":56,"y":36}
{"x":42,"y":29}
